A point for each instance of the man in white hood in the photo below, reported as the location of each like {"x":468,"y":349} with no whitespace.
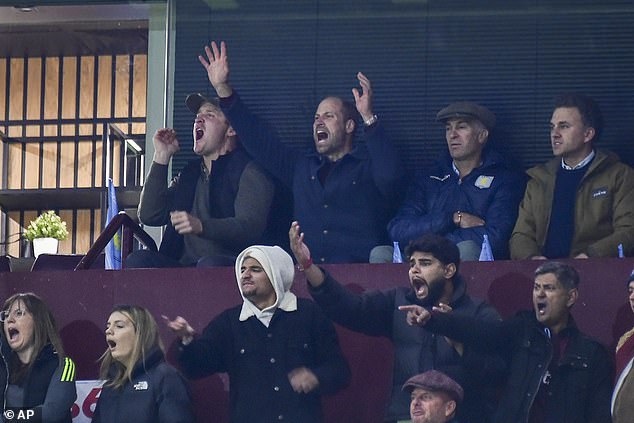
{"x":280,"y":351}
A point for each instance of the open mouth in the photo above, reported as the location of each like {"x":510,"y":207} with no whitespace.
{"x":13,"y":333}
{"x":321,"y":135}
{"x":111,"y":344}
{"x":199,"y":133}
{"x":420,"y":287}
{"x":541,"y":308}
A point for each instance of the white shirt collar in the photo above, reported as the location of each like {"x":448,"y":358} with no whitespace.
{"x":581,"y":164}
{"x":288,"y":303}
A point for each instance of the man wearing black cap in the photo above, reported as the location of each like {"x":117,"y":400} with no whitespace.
{"x":469,"y":193}
{"x":622,"y":410}
{"x":344,"y":194}
{"x":215,"y":207}
{"x":434,"y":397}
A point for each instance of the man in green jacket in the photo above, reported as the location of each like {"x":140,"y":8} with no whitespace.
{"x":581,"y":203}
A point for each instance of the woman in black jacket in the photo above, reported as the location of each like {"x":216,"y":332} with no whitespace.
{"x":35,"y":376}
{"x":140,"y":386}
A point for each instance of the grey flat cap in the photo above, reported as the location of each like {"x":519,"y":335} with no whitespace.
{"x":433,"y":380}
{"x":195,"y":100}
{"x":467,"y":109}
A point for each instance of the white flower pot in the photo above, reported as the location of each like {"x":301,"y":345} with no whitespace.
{"x":45,"y":246}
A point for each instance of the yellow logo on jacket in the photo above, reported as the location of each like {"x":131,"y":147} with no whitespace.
{"x":484,"y":181}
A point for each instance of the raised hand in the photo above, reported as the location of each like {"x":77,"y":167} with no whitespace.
{"x":299,"y":248}
{"x":363,"y":99}
{"x":303,"y":380}
{"x":165,"y":145}
{"x":186,"y":223}
{"x":180,"y":327}
{"x":217,"y":67}
{"x":416,"y":315}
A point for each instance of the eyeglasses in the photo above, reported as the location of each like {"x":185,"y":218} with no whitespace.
{"x":17,"y":314}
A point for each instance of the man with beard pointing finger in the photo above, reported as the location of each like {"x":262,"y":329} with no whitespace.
{"x":434,"y":282}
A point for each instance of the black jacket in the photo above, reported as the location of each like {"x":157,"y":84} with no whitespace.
{"x":258,"y":360}
{"x":49,"y":387}
{"x":580,"y":388}
{"x":416,"y":350}
{"x":156,"y":394}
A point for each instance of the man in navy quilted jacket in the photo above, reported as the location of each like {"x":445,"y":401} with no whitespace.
{"x":472,"y":191}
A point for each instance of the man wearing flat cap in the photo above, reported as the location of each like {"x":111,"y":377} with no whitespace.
{"x":622,"y":410}
{"x":215,"y":207}
{"x":434,"y":397}
{"x":472,"y":191}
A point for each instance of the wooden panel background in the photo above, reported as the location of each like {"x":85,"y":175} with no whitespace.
{"x":52,"y":109}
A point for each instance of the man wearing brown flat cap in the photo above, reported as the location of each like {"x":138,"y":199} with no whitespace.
{"x":434,"y":397}
{"x":472,"y":191}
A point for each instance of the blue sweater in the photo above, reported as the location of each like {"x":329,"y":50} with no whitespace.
{"x":561,"y":227}
{"x":346,"y":216}
{"x":492,"y":192}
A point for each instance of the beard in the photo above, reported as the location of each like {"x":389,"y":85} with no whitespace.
{"x":436,"y":290}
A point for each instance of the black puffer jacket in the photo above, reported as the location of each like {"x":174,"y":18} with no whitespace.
{"x":157,"y":393}
{"x":49,"y":387}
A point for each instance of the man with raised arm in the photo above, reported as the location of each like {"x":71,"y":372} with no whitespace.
{"x":344,"y":194}
{"x":434,"y":281}
{"x":556,"y":373}
{"x":216,"y":206}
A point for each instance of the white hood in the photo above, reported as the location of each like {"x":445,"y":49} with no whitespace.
{"x":278,"y":266}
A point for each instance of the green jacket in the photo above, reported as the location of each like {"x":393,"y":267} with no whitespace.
{"x":604,"y":210}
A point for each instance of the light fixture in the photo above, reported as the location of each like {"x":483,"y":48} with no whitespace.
{"x":25,"y":9}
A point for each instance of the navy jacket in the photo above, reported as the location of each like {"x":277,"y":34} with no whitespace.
{"x":492,"y":192}
{"x":346,"y":217}
{"x":157,"y":393}
{"x":416,"y":350}
{"x":258,"y":360}
{"x":580,"y":388}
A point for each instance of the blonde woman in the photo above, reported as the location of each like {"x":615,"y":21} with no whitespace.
{"x":139,"y":385}
{"x":34,"y":374}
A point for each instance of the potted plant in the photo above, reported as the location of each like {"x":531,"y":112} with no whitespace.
{"x":45,"y":232}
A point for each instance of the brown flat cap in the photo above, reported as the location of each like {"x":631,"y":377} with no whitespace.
{"x":434,"y":380}
{"x":195,"y":100}
{"x":467,"y":109}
